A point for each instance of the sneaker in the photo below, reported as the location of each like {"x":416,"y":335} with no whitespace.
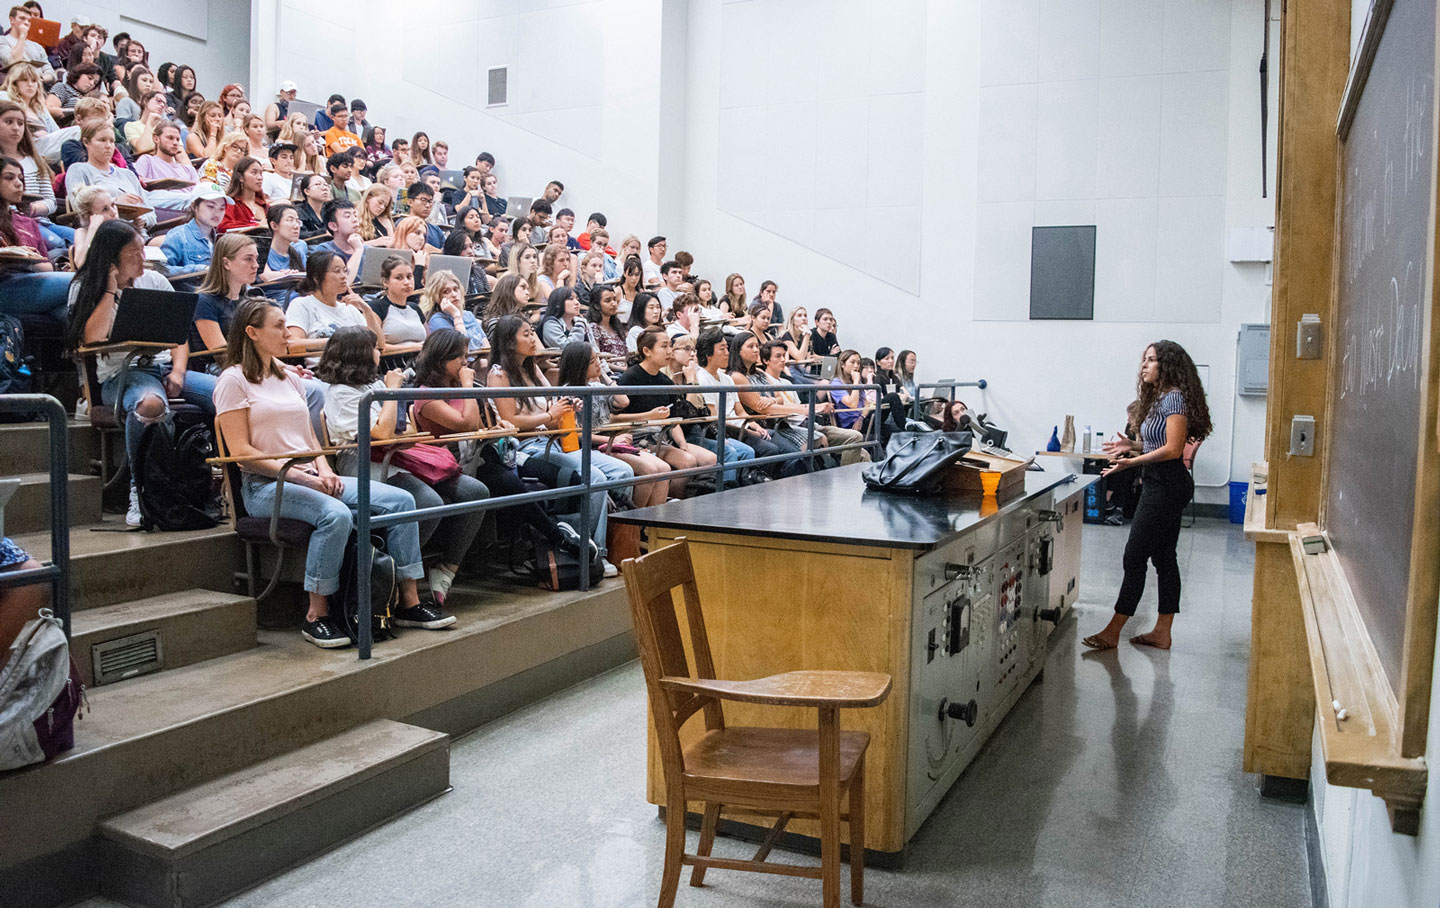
{"x":426,"y":614}
{"x":610,"y":569}
{"x":324,"y":633}
{"x":82,"y":409}
{"x":570,"y":541}
{"x":132,"y":513}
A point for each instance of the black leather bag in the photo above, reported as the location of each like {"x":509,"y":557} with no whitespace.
{"x":915,"y":462}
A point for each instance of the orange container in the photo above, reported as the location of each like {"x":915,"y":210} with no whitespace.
{"x":569,"y":441}
{"x":990,"y":481}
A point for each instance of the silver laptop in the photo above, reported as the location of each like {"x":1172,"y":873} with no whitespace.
{"x":452,"y":179}
{"x":518,"y":206}
{"x":458,"y":265}
{"x":371,"y":260}
{"x":828,"y":365}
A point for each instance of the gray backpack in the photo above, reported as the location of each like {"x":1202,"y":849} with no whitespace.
{"x":39,"y":695}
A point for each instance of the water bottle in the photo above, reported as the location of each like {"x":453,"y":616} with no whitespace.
{"x":1054,"y":444}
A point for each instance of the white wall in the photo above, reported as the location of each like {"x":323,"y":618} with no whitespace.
{"x":889,"y":161}
{"x":584,"y":86}
{"x":213,"y":36}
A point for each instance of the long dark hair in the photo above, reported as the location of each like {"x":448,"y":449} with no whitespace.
{"x":316,"y":267}
{"x":1178,"y":372}
{"x":177,"y":85}
{"x":575,"y":364}
{"x":736,"y":364}
{"x":455,"y":242}
{"x":637,"y":311}
{"x":349,"y":358}
{"x":274,"y":215}
{"x":502,"y":297}
{"x":7,"y":226}
{"x":598,"y":317}
{"x":555,"y":303}
{"x":443,"y":345}
{"x":520,"y":371}
{"x":91,"y":280}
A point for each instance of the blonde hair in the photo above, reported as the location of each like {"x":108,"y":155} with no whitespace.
{"x":436,"y":286}
{"x":227,"y":246}
{"x":517,"y":250}
{"x":232,"y":138}
{"x":19,"y":73}
{"x":206,"y":136}
{"x":367,"y":221}
{"x":550,"y":261}
{"x":408,"y":225}
{"x":84,"y":197}
{"x":86,"y":107}
{"x":287,"y":129}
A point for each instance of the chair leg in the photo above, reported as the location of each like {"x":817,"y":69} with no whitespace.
{"x":674,"y":851}
{"x":707,"y":841}
{"x":857,"y":835}
{"x":829,"y":809}
{"x":250,"y":569}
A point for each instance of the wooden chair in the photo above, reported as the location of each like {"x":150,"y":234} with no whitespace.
{"x":779,"y":772}
{"x":284,"y":533}
{"x":1192,"y":448}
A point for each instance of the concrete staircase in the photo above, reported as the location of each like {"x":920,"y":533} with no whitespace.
{"x":218,"y":748}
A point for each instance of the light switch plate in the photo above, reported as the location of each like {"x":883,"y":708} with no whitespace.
{"x":1309,"y":338}
{"x":1302,"y":436}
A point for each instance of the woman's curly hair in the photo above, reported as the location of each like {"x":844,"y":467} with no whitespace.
{"x":1177,"y":371}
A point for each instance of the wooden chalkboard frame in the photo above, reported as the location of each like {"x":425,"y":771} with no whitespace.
{"x":1410,"y":699}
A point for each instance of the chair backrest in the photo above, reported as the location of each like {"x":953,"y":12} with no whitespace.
{"x":1188,"y":455}
{"x":651,"y":581}
{"x":231,"y":472}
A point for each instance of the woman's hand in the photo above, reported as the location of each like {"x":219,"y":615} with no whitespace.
{"x":467,"y":377}
{"x":624,"y":438}
{"x":759,"y":431}
{"x":1116,"y":466}
{"x":394,"y":378}
{"x":558,"y":406}
{"x":690,"y":371}
{"x":112,"y":280}
{"x":657,"y":413}
{"x":174,"y":382}
{"x":450,"y":309}
{"x":130,"y":198}
{"x":299,"y":370}
{"x":351,"y":298}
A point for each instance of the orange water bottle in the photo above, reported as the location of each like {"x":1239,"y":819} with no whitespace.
{"x":569,"y":439}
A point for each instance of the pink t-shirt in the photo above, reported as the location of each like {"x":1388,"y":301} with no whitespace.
{"x":279,"y":418}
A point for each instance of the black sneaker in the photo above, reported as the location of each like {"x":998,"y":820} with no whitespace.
{"x":570,"y":541}
{"x":426,"y":614}
{"x":324,"y":633}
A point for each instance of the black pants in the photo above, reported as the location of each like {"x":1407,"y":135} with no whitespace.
{"x":1165,"y":490}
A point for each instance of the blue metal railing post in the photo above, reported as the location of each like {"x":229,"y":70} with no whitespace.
{"x":364,"y":552}
{"x":57,"y":573}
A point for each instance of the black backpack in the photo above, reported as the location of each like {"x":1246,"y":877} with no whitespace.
{"x":384,"y":592}
{"x":175,"y":485}
{"x":560,"y":570}
{"x":14,"y":373}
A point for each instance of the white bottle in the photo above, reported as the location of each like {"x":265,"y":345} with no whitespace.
{"x":1086,"y":449}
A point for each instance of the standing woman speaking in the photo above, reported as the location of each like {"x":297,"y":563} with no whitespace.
{"x":1173,"y":401}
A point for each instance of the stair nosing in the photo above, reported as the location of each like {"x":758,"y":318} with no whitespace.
{"x":84,"y":621}
{"x":425,"y":741}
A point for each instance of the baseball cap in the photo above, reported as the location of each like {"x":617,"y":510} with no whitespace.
{"x":282,"y":146}
{"x":207,"y":193}
{"x":82,"y":21}
{"x":287,"y":85}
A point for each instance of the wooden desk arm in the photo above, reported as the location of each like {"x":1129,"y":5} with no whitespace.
{"x":823,"y":689}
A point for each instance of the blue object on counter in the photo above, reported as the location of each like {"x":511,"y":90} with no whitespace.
{"x":1054,"y":444}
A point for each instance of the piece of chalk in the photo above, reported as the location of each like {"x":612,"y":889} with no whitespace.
{"x":1335,"y":705}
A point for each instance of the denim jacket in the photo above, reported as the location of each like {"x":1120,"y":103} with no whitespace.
{"x":186,"y":246}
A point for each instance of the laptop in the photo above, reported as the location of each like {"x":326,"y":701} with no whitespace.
{"x":452,"y":179}
{"x":44,"y":32}
{"x":297,"y":185}
{"x":153,"y":317}
{"x":372,"y":258}
{"x":828,"y":365}
{"x":518,"y":206}
{"x":458,"y":265}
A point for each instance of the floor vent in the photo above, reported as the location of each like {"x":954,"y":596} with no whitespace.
{"x":127,"y":657}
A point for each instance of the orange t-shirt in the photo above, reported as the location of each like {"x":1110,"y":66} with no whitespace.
{"x":337,"y":140}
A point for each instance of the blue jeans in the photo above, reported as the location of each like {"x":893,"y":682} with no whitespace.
{"x":603,"y":467}
{"x":735,"y":452}
{"x":57,"y":236}
{"x":333,"y":519}
{"x":36,"y":293}
{"x":143,"y":381}
{"x":204,"y":383}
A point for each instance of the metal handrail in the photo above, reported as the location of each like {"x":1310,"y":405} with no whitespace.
{"x":57,"y":571}
{"x":949,"y":385}
{"x":365,"y":522}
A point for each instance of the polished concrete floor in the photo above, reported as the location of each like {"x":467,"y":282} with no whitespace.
{"x":1115,"y":782}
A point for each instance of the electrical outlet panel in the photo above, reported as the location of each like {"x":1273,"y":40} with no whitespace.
{"x":1302,"y":436}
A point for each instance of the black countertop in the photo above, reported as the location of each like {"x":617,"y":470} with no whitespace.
{"x":834,"y":506}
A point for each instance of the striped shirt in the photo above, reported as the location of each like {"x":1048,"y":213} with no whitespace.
{"x":1152,"y":431}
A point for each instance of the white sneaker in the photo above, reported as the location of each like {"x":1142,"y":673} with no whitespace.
{"x":82,"y":409}
{"x":132,"y":513}
{"x":610,"y":569}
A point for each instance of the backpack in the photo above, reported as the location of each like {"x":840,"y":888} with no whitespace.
{"x":384,"y":591}
{"x":175,"y":485}
{"x":40,"y":695}
{"x":14,"y":373}
{"x":560,"y":570}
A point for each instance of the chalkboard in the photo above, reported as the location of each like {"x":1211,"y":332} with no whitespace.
{"x":1383,"y":291}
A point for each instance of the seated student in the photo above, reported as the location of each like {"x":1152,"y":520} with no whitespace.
{"x":592,"y":265}
{"x":554,"y":268}
{"x":99,"y":167}
{"x":262,"y":412}
{"x":377,"y":155}
{"x":16,"y":46}
{"x":459,"y":243}
{"x":515,"y":348}
{"x":647,"y":314}
{"x":314,"y":195}
{"x":254,"y":128}
{"x":207,"y":133}
{"x":322,"y":119}
{"x":81,"y":81}
{"x":710,"y":310}
{"x":745,"y":369}
{"x":341,"y":167}
{"x":167,"y":161}
{"x":894,"y":400}
{"x":489,"y":246}
{"x":524,"y":262}
{"x":422,"y":205}
{"x":32,"y":289}
{"x":607,"y":330}
{"x":410,"y":234}
{"x":495,"y":206}
{"x":794,"y":415}
{"x":278,"y":110}
{"x":279,"y":180}
{"x":217,"y":170}
{"x":686,"y":261}
{"x":22,"y":86}
{"x":338,"y":137}
{"x":686,"y":318}
{"x":553,"y":190}
{"x":445,"y":363}
{"x":673,"y":446}
{"x":325,"y":303}
{"x":115,"y":261}
{"x":400,"y":320}
{"x":540,"y":220}
{"x":823,"y":341}
{"x":442,"y":304}
{"x":392,"y":177}
{"x":630,"y":287}
{"x":657,"y":247}
{"x":767,"y":294}
{"x":247,"y":202}
{"x":400,"y":151}
{"x":15,"y":142}
{"x":288,"y":252}
{"x":350,"y":366}
{"x":188,"y":246}
{"x":854,"y":409}
{"x":671,"y":277}
{"x":511,"y":296}
{"x":760,"y":325}
{"x":140,"y":132}
{"x":796,"y":336}
{"x":565,"y":219}
{"x":596,"y":221}
{"x":468,"y":221}
{"x":420,"y":150}
{"x":93,"y":206}
{"x":746,"y":439}
{"x":563,"y":321}
{"x":472,"y":195}
{"x":376,"y":226}
{"x":580,"y":367}
{"x":343,"y":225}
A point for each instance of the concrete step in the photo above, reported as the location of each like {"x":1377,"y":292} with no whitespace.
{"x":194,"y":625}
{"x":25,"y":447}
{"x":28,"y":510}
{"x":110,"y":564}
{"x":202,"y":845}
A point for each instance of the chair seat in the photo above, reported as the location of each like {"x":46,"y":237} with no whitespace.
{"x":775,"y":756}
{"x":289,"y":531}
{"x":102,"y":416}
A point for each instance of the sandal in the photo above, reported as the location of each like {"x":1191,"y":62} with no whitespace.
{"x":1097,"y":643}
{"x":1144,"y":640}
